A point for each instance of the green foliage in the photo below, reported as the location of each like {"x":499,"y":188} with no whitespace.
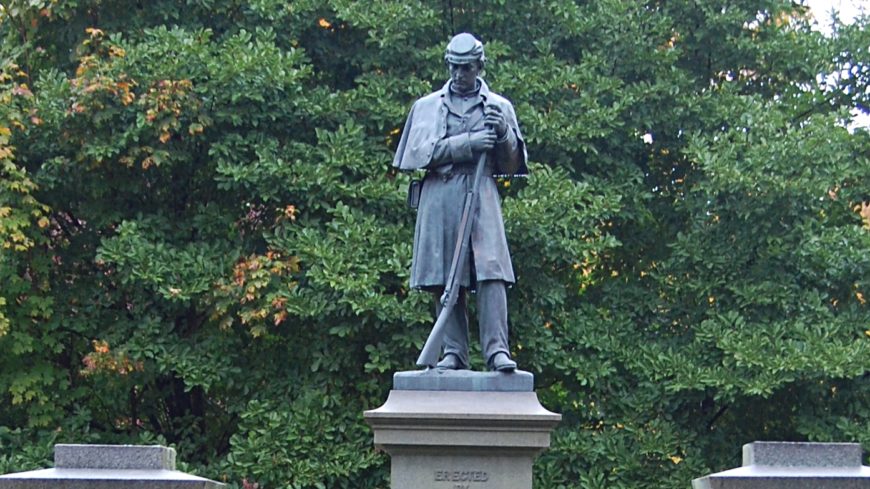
{"x":303,"y":444}
{"x":203,"y":243}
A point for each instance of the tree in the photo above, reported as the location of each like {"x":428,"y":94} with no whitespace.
{"x":207,"y":246}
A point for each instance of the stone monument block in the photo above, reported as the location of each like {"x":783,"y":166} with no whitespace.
{"x":791,"y":465}
{"x":470,"y":437}
{"x":109,"y":467}
{"x":144,"y":457}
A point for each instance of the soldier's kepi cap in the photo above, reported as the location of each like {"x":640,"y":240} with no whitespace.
{"x":464,"y":48}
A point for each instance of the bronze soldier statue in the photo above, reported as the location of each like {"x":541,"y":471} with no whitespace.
{"x":446,"y":134}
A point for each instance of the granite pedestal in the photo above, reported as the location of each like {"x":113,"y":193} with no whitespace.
{"x":462,"y":429}
{"x":109,"y":467}
{"x":788,"y":465}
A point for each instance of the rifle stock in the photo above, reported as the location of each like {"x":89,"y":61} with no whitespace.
{"x":429,"y":354}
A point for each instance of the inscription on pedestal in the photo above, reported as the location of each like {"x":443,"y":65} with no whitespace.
{"x":461,"y":476}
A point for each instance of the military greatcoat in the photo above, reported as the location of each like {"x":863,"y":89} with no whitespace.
{"x":435,"y":139}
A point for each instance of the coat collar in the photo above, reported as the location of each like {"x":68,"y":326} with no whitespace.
{"x":484,"y":90}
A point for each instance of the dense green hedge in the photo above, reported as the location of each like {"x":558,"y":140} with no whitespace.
{"x":203,"y":243}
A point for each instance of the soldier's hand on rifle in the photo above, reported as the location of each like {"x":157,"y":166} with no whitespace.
{"x":482,"y":140}
{"x":495,"y":119}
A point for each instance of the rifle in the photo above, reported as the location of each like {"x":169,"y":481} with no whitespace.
{"x":429,"y":354}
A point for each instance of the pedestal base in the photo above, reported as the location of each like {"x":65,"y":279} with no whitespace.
{"x":461,"y":439}
{"x":794,"y":465}
{"x":109,"y":467}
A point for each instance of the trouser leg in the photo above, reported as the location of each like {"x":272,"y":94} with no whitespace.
{"x":492,"y":318}
{"x":456,"y":329}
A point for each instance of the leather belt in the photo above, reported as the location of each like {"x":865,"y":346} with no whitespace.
{"x":461,"y":169}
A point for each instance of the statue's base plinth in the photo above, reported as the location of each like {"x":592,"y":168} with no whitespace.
{"x":452,"y":439}
{"x":434,"y":379}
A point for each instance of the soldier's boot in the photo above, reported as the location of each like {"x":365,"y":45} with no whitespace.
{"x":451,"y":362}
{"x":501,"y":362}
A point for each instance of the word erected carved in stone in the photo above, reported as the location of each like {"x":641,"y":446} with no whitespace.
{"x":461,"y":476}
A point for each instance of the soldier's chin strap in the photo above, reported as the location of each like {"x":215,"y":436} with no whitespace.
{"x":429,"y":355}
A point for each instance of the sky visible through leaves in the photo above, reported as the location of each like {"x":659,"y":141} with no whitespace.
{"x":847,"y":11}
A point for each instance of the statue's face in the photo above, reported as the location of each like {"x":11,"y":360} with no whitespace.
{"x":464,"y":75}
